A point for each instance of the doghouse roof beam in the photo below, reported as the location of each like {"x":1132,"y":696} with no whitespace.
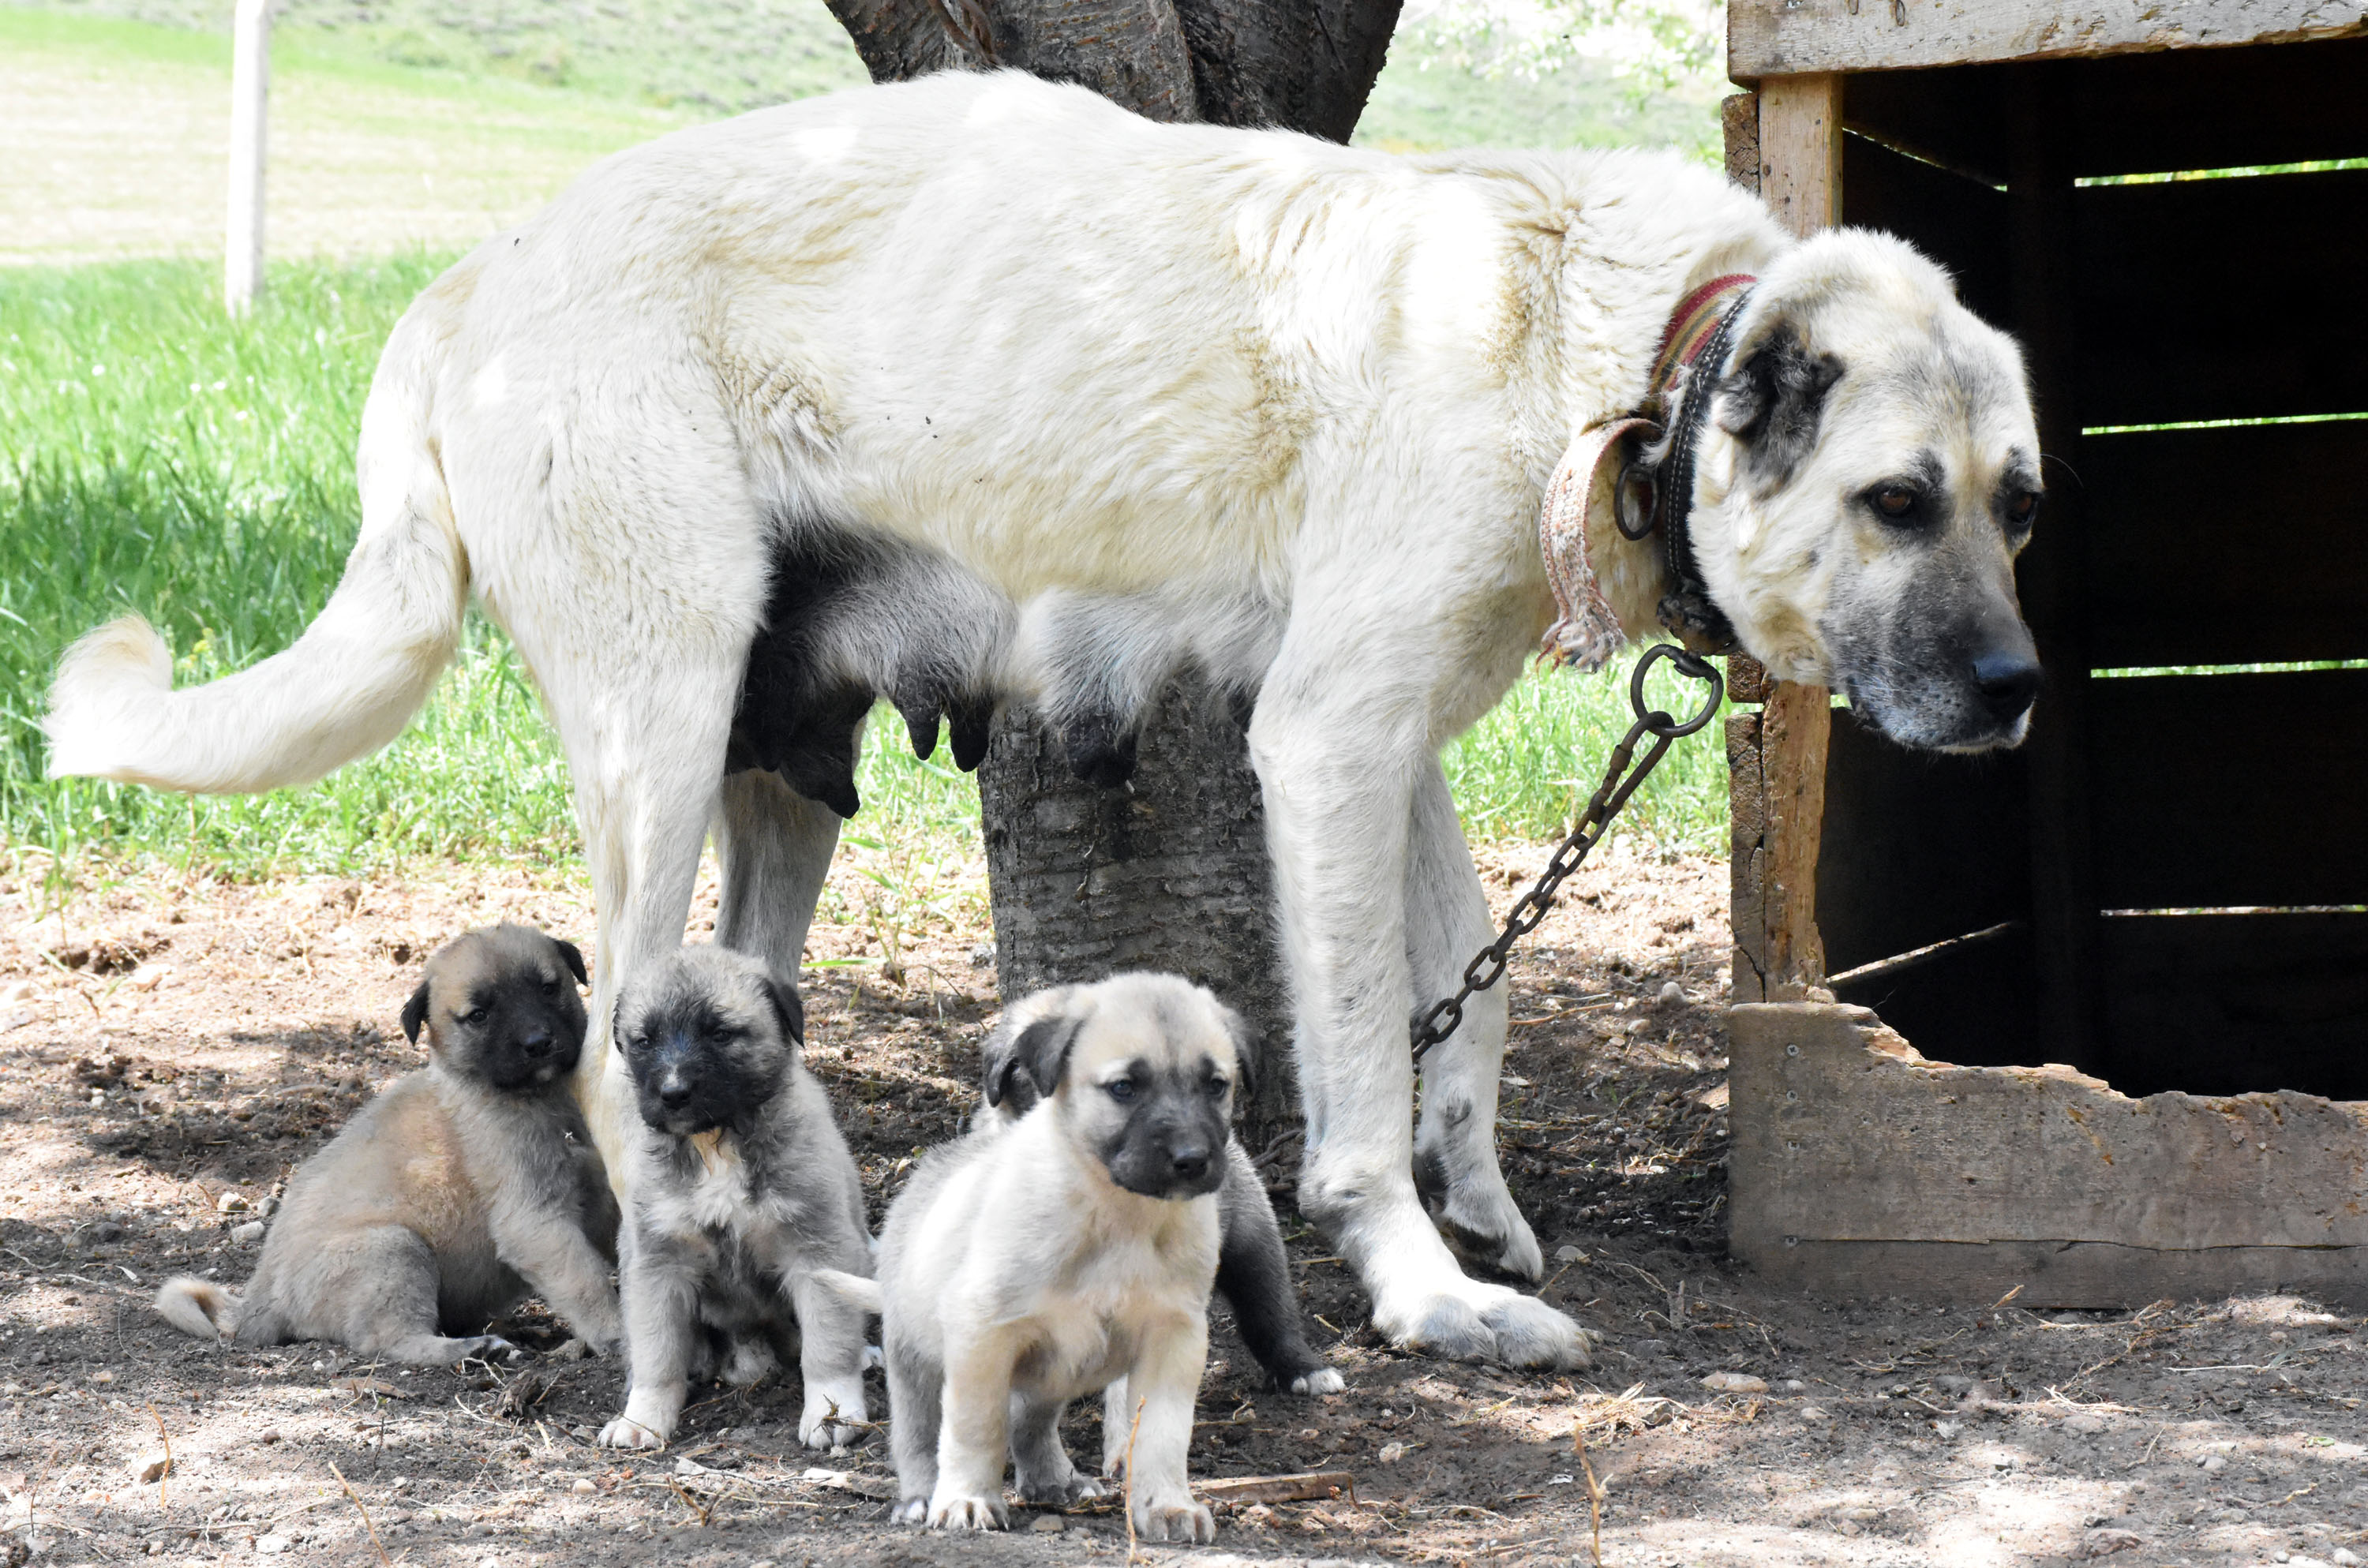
{"x":1779,"y":38}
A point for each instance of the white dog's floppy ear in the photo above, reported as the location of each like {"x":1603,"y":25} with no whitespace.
{"x":1773,"y":398}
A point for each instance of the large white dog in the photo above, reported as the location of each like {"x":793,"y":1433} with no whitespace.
{"x":979,"y":387}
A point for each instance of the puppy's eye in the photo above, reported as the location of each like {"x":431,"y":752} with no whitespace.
{"x":551,"y":988}
{"x":476,"y":1016}
{"x":1120,"y":1088}
{"x":2023,"y":510}
{"x":1897,"y":502}
{"x":1217,"y":1087}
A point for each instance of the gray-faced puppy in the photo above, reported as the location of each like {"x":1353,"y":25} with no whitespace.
{"x":739,"y":1188}
{"x":454,"y":1193}
{"x":1026,"y":1265}
{"x":1253,"y":1270}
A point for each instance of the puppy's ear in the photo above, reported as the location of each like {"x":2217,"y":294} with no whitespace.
{"x":415,"y":1013}
{"x":1246,"y":1055}
{"x":1043,"y":1049}
{"x":573,"y":957}
{"x":1000,"y":1065}
{"x":1772,"y":399}
{"x":788,"y":1011}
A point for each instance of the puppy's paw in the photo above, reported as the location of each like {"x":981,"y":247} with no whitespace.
{"x":574,"y":1350}
{"x":960,"y":1512}
{"x":910,"y":1511}
{"x":491,"y":1347}
{"x":627,"y":1433}
{"x":750,"y":1361}
{"x":833,"y":1417}
{"x":1173,"y":1516}
{"x":1077,"y":1488}
{"x":873,"y":1358}
{"x":1322,"y":1380}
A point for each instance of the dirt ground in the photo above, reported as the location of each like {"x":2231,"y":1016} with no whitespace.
{"x":168,"y":1052}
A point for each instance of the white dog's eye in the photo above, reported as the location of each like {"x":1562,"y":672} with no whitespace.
{"x":1897,"y":502}
{"x":2023,"y":509}
{"x":1120,"y":1088}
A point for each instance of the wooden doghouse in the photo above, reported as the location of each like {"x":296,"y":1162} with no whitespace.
{"x":2165,"y":890}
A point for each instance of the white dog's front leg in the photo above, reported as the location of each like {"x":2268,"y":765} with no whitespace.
{"x":1339,"y":777}
{"x":1455,"y":1147}
{"x":830,"y":1362}
{"x":1166,"y":1379}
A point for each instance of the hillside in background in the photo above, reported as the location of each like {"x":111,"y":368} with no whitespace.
{"x":711,"y":57}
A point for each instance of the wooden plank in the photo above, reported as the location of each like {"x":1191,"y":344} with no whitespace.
{"x":1842,"y":1133}
{"x":1917,"y":848}
{"x":2218,"y":791}
{"x":1767,"y":38}
{"x":1794,"y":730}
{"x":2232,"y":546}
{"x":2185,"y":312}
{"x":2132,"y":114}
{"x":2052,"y":580}
{"x":1801,"y":151}
{"x":1973,"y":1000}
{"x":2085,"y":1276}
{"x":1957,"y":220}
{"x":2218,"y":1004}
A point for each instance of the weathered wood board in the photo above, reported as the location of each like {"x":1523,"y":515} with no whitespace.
{"x":1767,"y":38}
{"x":1860,"y":1167}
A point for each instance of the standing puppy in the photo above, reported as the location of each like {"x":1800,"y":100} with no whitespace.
{"x":454,"y":1193}
{"x":1027,"y":1265}
{"x":739,"y":1188}
{"x":1253,"y":1269}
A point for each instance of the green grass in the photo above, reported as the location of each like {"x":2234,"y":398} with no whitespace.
{"x":161,"y":459}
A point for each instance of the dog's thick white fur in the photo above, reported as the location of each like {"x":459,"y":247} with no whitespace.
{"x":1044,"y":399}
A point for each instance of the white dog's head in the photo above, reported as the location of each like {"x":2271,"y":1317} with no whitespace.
{"x":1868,"y":473}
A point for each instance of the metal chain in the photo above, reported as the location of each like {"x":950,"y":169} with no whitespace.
{"x":1620,"y":780}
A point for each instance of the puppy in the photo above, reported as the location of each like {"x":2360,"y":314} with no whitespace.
{"x":452,"y":1194}
{"x":1028,"y":1263}
{"x":1253,"y":1271}
{"x":738,"y":1188}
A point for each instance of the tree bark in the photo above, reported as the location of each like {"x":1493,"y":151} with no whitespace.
{"x":1169,"y":872}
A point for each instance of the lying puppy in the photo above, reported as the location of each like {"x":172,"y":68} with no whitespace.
{"x":739,"y":1186}
{"x":1026,"y":1265}
{"x":453,"y":1194}
{"x":1253,"y":1271}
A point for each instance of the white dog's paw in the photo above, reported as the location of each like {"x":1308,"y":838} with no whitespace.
{"x":1478,"y":1215}
{"x":750,"y":1361}
{"x":1173,"y":1516}
{"x":873,"y":1360}
{"x":490,"y":1347}
{"x":910,"y":1511}
{"x":574,"y":1350}
{"x":1475,"y":1321}
{"x":627,"y":1433}
{"x":960,"y":1512}
{"x":1323,"y":1380}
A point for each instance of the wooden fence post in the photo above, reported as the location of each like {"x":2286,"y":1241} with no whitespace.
{"x":1777,"y":758}
{"x":250,"y":88}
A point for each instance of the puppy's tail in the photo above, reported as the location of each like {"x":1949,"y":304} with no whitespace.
{"x":198,"y":1307}
{"x":852,"y":1289}
{"x":347,"y":686}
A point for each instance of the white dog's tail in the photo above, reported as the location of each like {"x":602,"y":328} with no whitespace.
{"x":853,"y":1289}
{"x":347,"y":686}
{"x":198,"y":1307}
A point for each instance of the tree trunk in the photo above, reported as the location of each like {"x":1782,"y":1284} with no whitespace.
{"x":1169,"y":872}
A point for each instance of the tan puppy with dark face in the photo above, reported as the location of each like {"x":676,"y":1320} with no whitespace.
{"x":1027,"y":1265}
{"x":452,"y":1194}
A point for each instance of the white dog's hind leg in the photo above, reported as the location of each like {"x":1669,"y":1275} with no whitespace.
{"x":775,"y":847}
{"x":1455,"y":1146}
{"x":1338,"y":781}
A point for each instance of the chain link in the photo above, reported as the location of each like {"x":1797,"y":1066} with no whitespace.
{"x":1620,"y":780}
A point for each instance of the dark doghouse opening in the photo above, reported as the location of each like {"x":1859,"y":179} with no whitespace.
{"x":2168,"y":887}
